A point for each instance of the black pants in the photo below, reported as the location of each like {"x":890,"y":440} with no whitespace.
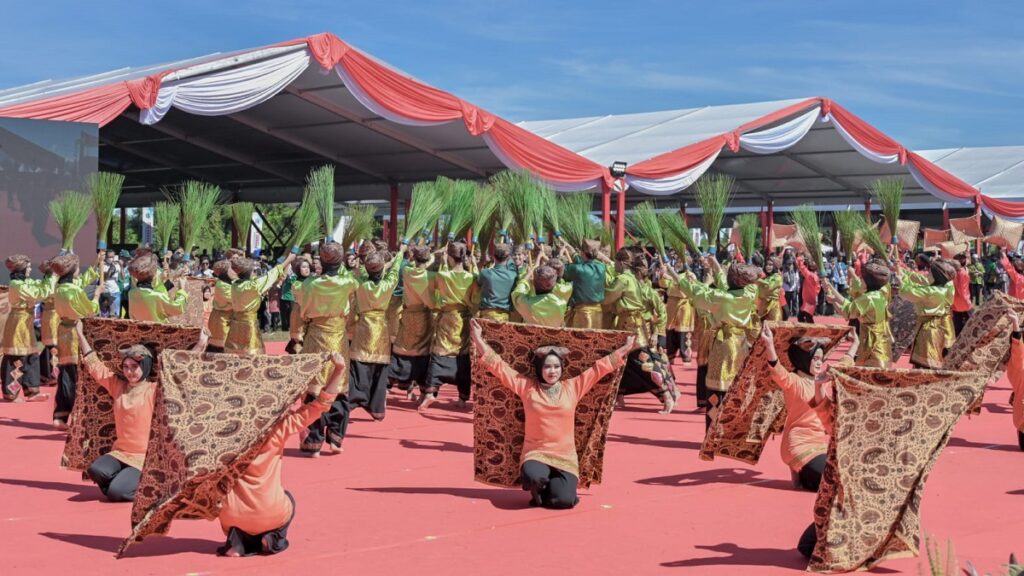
{"x":714,"y":403}
{"x":976,"y":293}
{"x":1020,"y":439}
{"x":804,"y":317}
{"x":67,"y":380}
{"x":116,"y":479}
{"x":959,"y":321}
{"x":550,"y":487}
{"x":676,"y":343}
{"x":808,"y":540}
{"x":331,"y":426}
{"x":792,"y":304}
{"x":47,"y":364}
{"x":368,"y":387}
{"x":29,"y":380}
{"x":810,"y":474}
{"x":286,"y":315}
{"x":702,"y":386}
{"x":211,"y":349}
{"x":270,"y":542}
{"x":449,"y":370}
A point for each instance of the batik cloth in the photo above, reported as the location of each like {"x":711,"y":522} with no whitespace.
{"x":212,"y":415}
{"x":91,"y":429}
{"x":753,"y":408}
{"x":498,"y":416}
{"x":889,"y":427}
{"x":194,"y":312}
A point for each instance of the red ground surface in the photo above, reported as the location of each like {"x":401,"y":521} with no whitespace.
{"x":401,"y":500}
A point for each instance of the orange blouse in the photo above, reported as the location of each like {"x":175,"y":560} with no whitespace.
{"x":550,"y":435}
{"x":804,"y":436}
{"x":133,"y":411}
{"x":1015,"y":373}
{"x":257,"y":503}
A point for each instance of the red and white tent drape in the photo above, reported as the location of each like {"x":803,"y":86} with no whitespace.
{"x":256,"y":76}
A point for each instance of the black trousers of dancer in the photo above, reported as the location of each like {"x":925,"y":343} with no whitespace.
{"x":330,"y":427}
{"x":702,"y":386}
{"x":116,"y":479}
{"x":211,"y":349}
{"x":549,"y":486}
{"x":405,"y":370}
{"x":286,"y":314}
{"x":805,"y":317}
{"x":810,"y":475}
{"x":368,"y":387}
{"x":959,"y":321}
{"x":29,"y":379}
{"x":976,"y":293}
{"x":676,"y":343}
{"x":47,"y":364}
{"x":64,"y":402}
{"x":449,"y":370}
{"x":808,"y":540}
{"x":269,"y":542}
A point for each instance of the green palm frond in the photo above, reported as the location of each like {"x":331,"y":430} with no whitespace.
{"x":713,"y":194}
{"x":360,"y":225}
{"x":105,"y":188}
{"x":70,"y":210}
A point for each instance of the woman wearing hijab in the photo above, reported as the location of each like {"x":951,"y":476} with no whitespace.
{"x":1015,"y":374}
{"x":550,"y":467}
{"x":133,"y":391}
{"x":804,"y":438}
{"x":303,"y":268}
{"x":19,"y":339}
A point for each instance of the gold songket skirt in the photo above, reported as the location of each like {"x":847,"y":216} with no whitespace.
{"x":634,"y":322}
{"x":219,"y":326}
{"x":586,"y":317}
{"x":929,"y":341}
{"x":703,"y":335}
{"x":394,"y":317}
{"x":680,"y":314}
{"x":19,"y":334}
{"x":327,"y":336}
{"x":244,"y":334}
{"x":415,"y":334}
{"x":451,"y":332}
{"x":67,"y":343}
{"x":728,"y":351}
{"x":371,"y":341}
{"x":48,"y":322}
{"x":875,"y":345}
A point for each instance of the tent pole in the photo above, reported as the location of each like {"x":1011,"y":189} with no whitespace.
{"x":392,"y":232}
{"x":124,"y":227}
{"x":945,"y":216}
{"x":620,"y":216}
{"x":606,"y":205}
{"x":867,"y":210}
{"x":977,"y":214}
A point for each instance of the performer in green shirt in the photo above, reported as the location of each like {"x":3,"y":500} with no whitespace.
{"x":71,"y":304}
{"x":496,"y":284}
{"x":152,"y":300}
{"x":19,"y":340}
{"x":410,"y":354}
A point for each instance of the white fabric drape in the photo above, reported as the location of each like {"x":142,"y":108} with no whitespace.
{"x":672,"y":184}
{"x":229,"y":91}
{"x":782,"y":136}
{"x":870,"y":155}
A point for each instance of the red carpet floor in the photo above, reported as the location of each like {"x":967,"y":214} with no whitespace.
{"x":401,"y":500}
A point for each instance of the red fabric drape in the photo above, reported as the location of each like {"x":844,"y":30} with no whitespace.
{"x":864,"y":133}
{"x":678,"y":160}
{"x":94,"y":106}
{"x":941,"y":179}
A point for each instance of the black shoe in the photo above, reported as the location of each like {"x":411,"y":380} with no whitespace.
{"x":536,"y":500}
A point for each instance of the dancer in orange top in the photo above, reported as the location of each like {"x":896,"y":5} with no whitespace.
{"x":257,"y":512}
{"x":1015,"y":374}
{"x":550,"y":466}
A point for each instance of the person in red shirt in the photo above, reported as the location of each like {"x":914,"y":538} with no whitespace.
{"x":1015,"y":272}
{"x":962,"y":298}
{"x":811,"y":285}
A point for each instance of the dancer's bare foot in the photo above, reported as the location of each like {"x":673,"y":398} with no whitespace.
{"x":669,"y":404}
{"x":41,"y":397}
{"x":410,"y":394}
{"x":620,"y":401}
{"x":461,"y":404}
{"x":60,"y":425}
{"x":313,"y":454}
{"x":428,"y":399}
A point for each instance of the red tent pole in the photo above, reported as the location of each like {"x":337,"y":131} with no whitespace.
{"x":620,"y":216}
{"x":392,"y":231}
{"x":977,"y":214}
{"x":606,"y":205}
{"x":867,"y":210}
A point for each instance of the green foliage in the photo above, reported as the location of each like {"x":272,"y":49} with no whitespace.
{"x":809,"y":226}
{"x":320,"y":190}
{"x":644,"y":219}
{"x":165,"y":223}
{"x":361,"y":223}
{"x":105,"y":188}
{"x":428,"y":203}
{"x":749,"y":230}
{"x":849,"y":223}
{"x":713,"y":194}
{"x":889,"y":193}
{"x":677,"y":233}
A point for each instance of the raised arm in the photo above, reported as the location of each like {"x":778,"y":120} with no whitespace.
{"x":494,"y":364}
{"x":603,"y":367}
{"x":98,"y":369}
{"x":310,"y":411}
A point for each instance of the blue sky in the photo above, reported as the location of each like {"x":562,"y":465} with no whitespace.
{"x":931,"y":74}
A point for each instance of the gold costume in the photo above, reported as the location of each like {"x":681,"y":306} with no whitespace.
{"x":872,"y":310}
{"x":456,"y":297}
{"x":733,"y":312}
{"x":155,"y":305}
{"x":679,"y":308}
{"x":244,"y":332}
{"x":540,"y":309}
{"x":624,"y":295}
{"x":415,"y":333}
{"x":371,"y":341}
{"x":71,"y":304}
{"x":326,"y":302}
{"x":933,"y":305}
{"x":586,"y":317}
{"x":19,"y":333}
{"x":220,"y":317}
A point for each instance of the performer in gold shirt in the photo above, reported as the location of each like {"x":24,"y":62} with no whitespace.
{"x":246,"y":294}
{"x":410,"y":354}
{"x":933,"y":303}
{"x":151,"y":300}
{"x":72,"y":305}
{"x":456,"y":299}
{"x":646,"y":370}
{"x":679,"y":323}
{"x":326,"y":303}
{"x":536,"y":300}
{"x":370,"y":351}
{"x":19,"y":340}
{"x":623,"y":297}
{"x":220,"y":316}
{"x":871,"y":310}
{"x":48,"y":322}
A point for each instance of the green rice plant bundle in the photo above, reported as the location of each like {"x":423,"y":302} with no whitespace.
{"x":574,"y":217}
{"x":105,"y":188}
{"x":241,"y":220}
{"x":320,"y":187}
{"x":809,"y":226}
{"x":889,"y":193}
{"x":428,"y":202}
{"x":749,"y":229}
{"x":461,"y":202}
{"x":848,"y":223}
{"x":360,"y":225}
{"x":551,"y":220}
{"x":166,"y":216}
{"x":524,"y":198}
{"x":305,"y":224}
{"x":644,"y":220}
{"x":677,"y":233}
{"x":713,"y":194}
{"x":197,"y":200}
{"x":873,"y":238}
{"x":70,"y":211}
{"x":485,"y":204}
{"x":605,"y":234}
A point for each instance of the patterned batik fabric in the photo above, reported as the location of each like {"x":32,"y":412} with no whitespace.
{"x":194,"y":313}
{"x":753,"y":409}
{"x":889,"y":428}
{"x":984,"y":343}
{"x":498,"y":417}
{"x":212,"y":415}
{"x":903,"y":323}
{"x":5,"y":310}
{"x":91,"y":429}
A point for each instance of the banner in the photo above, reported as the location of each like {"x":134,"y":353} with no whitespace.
{"x":147,"y":226}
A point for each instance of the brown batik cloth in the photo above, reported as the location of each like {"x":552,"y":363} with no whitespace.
{"x":213,"y":414}
{"x":903,"y":323}
{"x":194,"y":312}
{"x":753,"y":408}
{"x":91,"y":429}
{"x":984,"y":343}
{"x":5,"y":310}
{"x":498,"y":417}
{"x":889,"y":427}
